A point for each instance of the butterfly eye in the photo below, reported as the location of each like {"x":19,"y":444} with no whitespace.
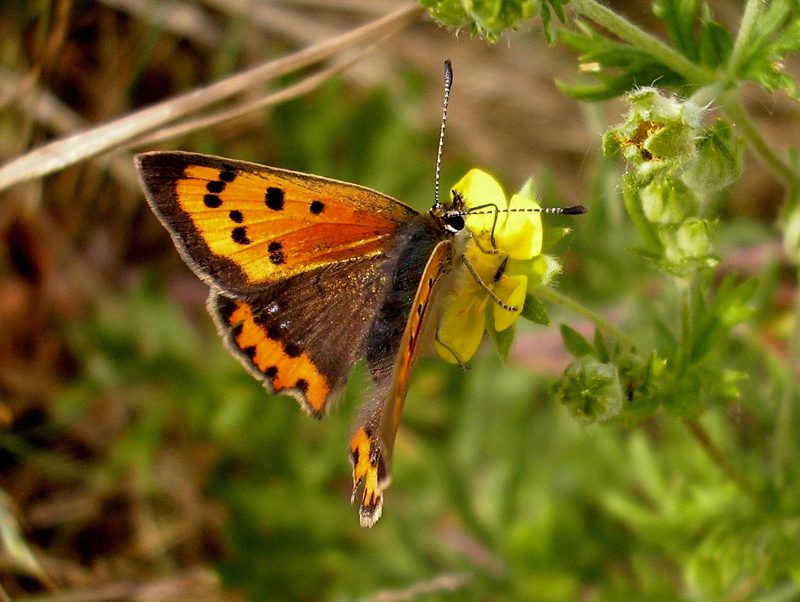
{"x":454,"y":223}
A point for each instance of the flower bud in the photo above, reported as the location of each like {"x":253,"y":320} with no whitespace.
{"x":659,"y":133}
{"x":591,"y":390}
{"x":667,"y":201}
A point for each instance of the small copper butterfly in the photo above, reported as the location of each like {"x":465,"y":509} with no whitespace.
{"x":308,"y":275}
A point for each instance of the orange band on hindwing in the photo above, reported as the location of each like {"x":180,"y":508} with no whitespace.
{"x":282,"y":365}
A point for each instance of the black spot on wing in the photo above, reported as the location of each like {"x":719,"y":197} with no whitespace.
{"x":276,"y":254}
{"x":274,"y":198}
{"x":227,"y":174}
{"x":292,"y":349}
{"x":212,"y":201}
{"x":239,"y":235}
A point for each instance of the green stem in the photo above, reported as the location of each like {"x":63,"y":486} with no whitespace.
{"x":721,"y":460}
{"x":742,"y":38}
{"x":686,"y":290}
{"x":783,"y":424}
{"x":732,"y":103}
{"x":633,"y":35}
{"x":548,"y":293}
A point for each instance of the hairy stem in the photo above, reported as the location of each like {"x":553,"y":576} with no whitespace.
{"x":742,"y":38}
{"x":732,"y":103}
{"x":630,"y":33}
{"x":548,"y":293}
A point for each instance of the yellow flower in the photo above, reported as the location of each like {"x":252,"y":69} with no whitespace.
{"x":502,"y":249}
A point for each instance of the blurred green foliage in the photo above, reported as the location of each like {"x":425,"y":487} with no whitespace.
{"x":666,"y":472}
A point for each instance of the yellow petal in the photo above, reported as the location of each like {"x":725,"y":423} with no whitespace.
{"x":511,"y":290}
{"x":461,"y":327}
{"x":521,"y":234}
{"x":486,"y":264}
{"x":478,"y":188}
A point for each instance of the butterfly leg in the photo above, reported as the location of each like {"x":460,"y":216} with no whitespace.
{"x":484,"y":250}
{"x":495,"y":210}
{"x":451,"y":351}
{"x":486,"y":287}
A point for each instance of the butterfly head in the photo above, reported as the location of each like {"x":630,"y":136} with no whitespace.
{"x":450,"y":218}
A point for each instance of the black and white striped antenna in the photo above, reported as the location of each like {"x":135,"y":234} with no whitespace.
{"x":448,"y":84}
{"x":483,"y":209}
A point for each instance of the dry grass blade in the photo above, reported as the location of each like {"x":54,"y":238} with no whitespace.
{"x":73,"y":149}
{"x":183,"y":19}
{"x":15,"y":555}
{"x":304,"y":86}
{"x":440,"y":584}
{"x":197,"y":584}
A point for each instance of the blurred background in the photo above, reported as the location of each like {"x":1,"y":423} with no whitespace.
{"x":139,"y":461}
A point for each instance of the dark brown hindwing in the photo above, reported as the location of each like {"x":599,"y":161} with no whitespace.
{"x":309,"y":329}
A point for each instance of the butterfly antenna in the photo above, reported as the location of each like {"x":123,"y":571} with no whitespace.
{"x":493,"y":209}
{"x":448,"y":83}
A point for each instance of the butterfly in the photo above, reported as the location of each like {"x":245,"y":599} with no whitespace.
{"x":309,"y":275}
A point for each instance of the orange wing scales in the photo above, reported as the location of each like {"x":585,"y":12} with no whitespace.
{"x":284,"y":369}
{"x":273,"y":226}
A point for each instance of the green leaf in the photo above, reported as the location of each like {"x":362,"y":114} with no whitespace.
{"x":775,"y":32}
{"x":546,"y":8}
{"x":489,"y":19}
{"x":535,"y":311}
{"x":600,"y":345}
{"x":719,"y":160}
{"x":715,"y":44}
{"x":710,"y":46}
{"x":574,"y":341}
{"x":617,"y":67}
{"x":679,"y":17}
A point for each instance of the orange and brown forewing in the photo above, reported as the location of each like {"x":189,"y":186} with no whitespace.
{"x":240,"y":225}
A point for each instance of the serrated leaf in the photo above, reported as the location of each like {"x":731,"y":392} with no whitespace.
{"x":775,"y":32}
{"x":620,"y":66}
